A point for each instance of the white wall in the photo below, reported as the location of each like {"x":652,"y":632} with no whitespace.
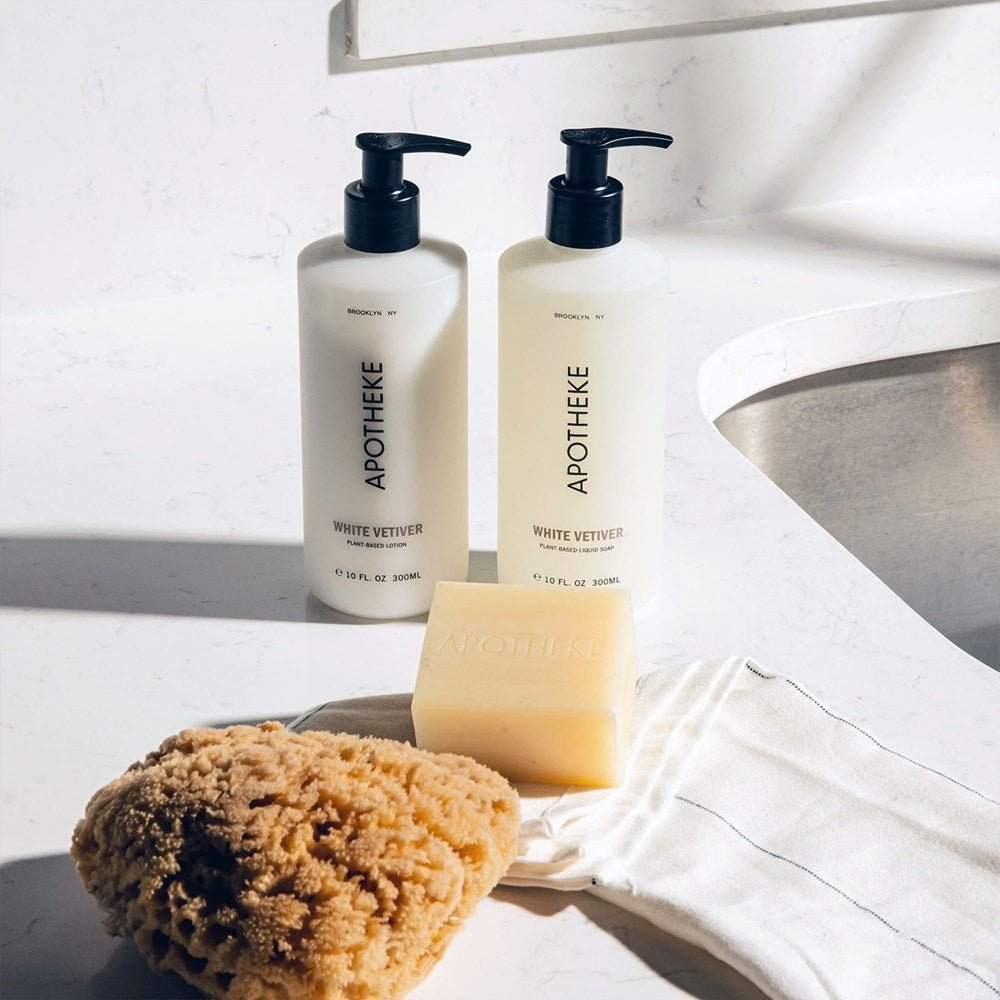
{"x":152,"y":147}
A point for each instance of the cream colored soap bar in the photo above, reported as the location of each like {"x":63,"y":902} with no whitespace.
{"x":535,"y":683}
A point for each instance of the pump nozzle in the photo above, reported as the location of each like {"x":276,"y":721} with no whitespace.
{"x":382,"y":210}
{"x":585,"y":204}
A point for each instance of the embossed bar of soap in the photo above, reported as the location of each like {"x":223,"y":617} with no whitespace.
{"x":536,"y":683}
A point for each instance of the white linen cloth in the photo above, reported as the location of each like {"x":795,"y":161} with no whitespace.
{"x":777,"y":836}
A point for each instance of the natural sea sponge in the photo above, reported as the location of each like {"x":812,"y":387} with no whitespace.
{"x":257,"y":862}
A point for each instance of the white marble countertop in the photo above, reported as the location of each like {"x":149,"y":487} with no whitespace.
{"x":152,"y":574}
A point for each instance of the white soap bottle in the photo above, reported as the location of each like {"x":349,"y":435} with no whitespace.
{"x":582,"y":387}
{"x":383,"y":346}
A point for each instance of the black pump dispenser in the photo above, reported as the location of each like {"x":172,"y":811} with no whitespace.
{"x":585,"y":204}
{"x":382,"y":210}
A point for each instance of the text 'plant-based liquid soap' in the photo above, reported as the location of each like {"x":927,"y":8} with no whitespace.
{"x":383,"y":346}
{"x":582,"y":394}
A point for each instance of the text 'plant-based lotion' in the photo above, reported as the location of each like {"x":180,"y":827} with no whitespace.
{"x":383,"y":320}
{"x":582,"y":395}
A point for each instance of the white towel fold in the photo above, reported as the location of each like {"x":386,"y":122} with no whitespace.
{"x":774,"y":834}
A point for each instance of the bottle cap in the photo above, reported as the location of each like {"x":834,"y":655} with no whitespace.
{"x":382,"y":210}
{"x":585,"y":204}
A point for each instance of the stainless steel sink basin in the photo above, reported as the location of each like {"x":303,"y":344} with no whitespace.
{"x":899,"y":460}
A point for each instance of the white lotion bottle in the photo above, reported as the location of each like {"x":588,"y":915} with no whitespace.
{"x":582,"y":387}
{"x":383,"y":336}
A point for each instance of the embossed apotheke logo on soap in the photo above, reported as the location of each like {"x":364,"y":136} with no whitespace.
{"x":523,"y":644}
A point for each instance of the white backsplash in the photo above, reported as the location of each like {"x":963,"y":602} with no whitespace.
{"x":157,"y":148}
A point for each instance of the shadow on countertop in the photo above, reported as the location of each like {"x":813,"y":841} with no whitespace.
{"x":689,"y":968}
{"x":261,"y":581}
{"x":54,"y":945}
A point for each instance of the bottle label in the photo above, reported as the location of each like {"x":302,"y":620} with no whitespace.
{"x":376,"y":537}
{"x":599,"y":542}
{"x":577,"y":427}
{"x":384,"y":377}
{"x":581,"y":439}
{"x":373,"y":423}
